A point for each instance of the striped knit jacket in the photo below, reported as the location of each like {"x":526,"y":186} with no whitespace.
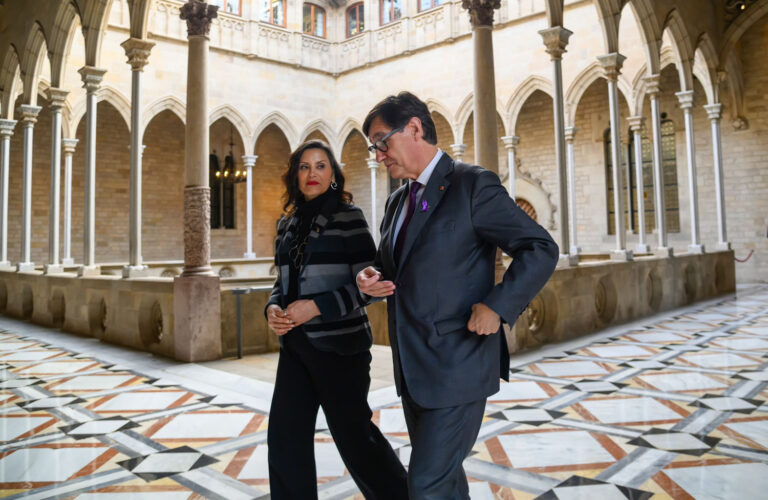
{"x":339,"y":246}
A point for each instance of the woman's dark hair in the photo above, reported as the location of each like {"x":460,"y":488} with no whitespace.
{"x":292,"y":196}
{"x":397,"y":110}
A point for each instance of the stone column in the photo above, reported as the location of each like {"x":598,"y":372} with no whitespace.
{"x":686,"y":104}
{"x":91,"y":79}
{"x":6,"y":131}
{"x":486,"y":133}
{"x":457,"y":150}
{"x":570,"y":134}
{"x":636,"y":126}
{"x":196,"y":293}
{"x":68,"y":146}
{"x":373,"y":166}
{"x":556,"y":39}
{"x":28,"y":119}
{"x":612,"y":67}
{"x":57,"y":98}
{"x":510,"y":143}
{"x":714,"y":112}
{"x":249,"y":161}
{"x":653,"y":90}
{"x":137,"y":51}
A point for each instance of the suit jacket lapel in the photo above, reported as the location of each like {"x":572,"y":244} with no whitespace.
{"x":433,"y":193}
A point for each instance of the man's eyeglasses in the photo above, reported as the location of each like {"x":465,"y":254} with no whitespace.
{"x":381,"y":144}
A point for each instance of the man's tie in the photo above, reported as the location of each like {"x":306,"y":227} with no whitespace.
{"x":408,"y":214}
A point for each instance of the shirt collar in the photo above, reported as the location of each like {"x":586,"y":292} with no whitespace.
{"x":427,"y":172}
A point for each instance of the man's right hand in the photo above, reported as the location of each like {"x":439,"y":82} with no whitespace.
{"x":370,"y":283}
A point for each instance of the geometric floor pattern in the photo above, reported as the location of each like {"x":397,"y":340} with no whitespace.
{"x":673,"y":408}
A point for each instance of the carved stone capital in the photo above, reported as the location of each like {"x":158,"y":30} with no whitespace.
{"x":740,"y":123}
{"x":137,"y":51}
{"x":250,"y":160}
{"x":714,"y":111}
{"x":197,"y":230}
{"x":685,"y":98}
{"x":29,"y":114}
{"x":481,"y":11}
{"x":198,"y":16}
{"x":91,"y":77}
{"x":57,"y":97}
{"x":555,"y":40}
{"x":511,"y":141}
{"x":458,"y":149}
{"x":636,"y":123}
{"x":372,"y":163}
{"x":611,"y":64}
{"x":570,"y":133}
{"x":6,"y":127}
{"x":69,"y":145}
{"x":652,"y":85}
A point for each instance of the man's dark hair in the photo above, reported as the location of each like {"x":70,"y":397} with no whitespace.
{"x":397,"y":110}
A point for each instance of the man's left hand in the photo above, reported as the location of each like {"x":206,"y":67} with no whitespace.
{"x":302,"y":311}
{"x":484,"y":320}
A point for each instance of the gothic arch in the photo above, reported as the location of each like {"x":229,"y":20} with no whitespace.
{"x":35,"y":47}
{"x":609,"y":13}
{"x":578,"y":86}
{"x":349,"y":126}
{"x":321,"y":126}
{"x":139,"y":13}
{"x":235,"y":118}
{"x":462,"y":115}
{"x":171,"y":103}
{"x":94,"y":19}
{"x":649,"y":31}
{"x":109,"y":94}
{"x":280,"y":121}
{"x":705,"y":66}
{"x":521,"y":94}
{"x":63,"y":30}
{"x":681,"y":43}
{"x":9,"y":74}
{"x":436,"y":106}
{"x":741,"y":25}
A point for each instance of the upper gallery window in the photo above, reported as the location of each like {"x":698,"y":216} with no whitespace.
{"x":314,"y":20}
{"x":390,"y":10}
{"x":355,"y":19}
{"x":272,"y":11}
{"x":230,"y":6}
{"x":428,"y":4}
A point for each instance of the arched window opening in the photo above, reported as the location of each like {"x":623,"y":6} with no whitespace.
{"x":355,"y":19}
{"x":526,"y":206}
{"x":390,"y":10}
{"x":429,"y":4}
{"x":272,"y":11}
{"x":314,"y":20}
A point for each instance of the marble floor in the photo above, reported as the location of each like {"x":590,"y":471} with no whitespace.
{"x":670,"y":407}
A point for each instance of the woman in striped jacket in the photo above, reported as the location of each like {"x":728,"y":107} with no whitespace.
{"x":325,"y":337}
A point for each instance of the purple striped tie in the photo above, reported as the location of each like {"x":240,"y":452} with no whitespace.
{"x":411,"y":207}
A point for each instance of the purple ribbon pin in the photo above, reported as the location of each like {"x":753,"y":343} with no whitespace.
{"x":424,"y":205}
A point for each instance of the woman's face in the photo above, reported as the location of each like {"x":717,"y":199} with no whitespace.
{"x":315,"y":173}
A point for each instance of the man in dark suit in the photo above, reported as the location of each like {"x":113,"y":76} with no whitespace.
{"x":435,"y":264}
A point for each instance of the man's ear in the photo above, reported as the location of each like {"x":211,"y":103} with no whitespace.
{"x":415,"y":124}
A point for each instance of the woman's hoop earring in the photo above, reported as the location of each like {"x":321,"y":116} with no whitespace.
{"x":334,"y":185}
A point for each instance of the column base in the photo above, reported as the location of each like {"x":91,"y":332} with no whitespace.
{"x":697,"y":249}
{"x":574,"y":250}
{"x":567,"y":260}
{"x":642,"y":248}
{"x":197,"y":318}
{"x":249,"y":255}
{"x":723,"y":246}
{"x":25,"y":267}
{"x":663,"y":252}
{"x":53,"y":269}
{"x":88,"y":271}
{"x":622,"y":255}
{"x":7,"y":266}
{"x":69,"y":261}
{"x":135,"y":271}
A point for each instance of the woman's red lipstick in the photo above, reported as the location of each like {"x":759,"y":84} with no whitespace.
{"x":312,"y":183}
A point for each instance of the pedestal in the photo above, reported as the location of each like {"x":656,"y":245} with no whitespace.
{"x":197,"y":318}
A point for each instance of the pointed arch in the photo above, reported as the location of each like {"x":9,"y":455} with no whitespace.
{"x":62,"y":32}
{"x":436,"y":106}
{"x":236,"y":118}
{"x":554,"y":11}
{"x":94,"y":20}
{"x":705,"y":66}
{"x":350,"y":125}
{"x":578,"y":86}
{"x":649,"y":31}
{"x":321,"y":126}
{"x":35,"y":47}
{"x":280,"y":121}
{"x":739,"y":26}
{"x":172,"y":103}
{"x":9,"y":75}
{"x":681,"y":43}
{"x":108,"y":94}
{"x":609,"y":14}
{"x":521,"y":94}
{"x":462,"y":115}
{"x":139,"y":13}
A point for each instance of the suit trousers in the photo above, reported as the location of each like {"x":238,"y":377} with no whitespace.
{"x":306,"y":379}
{"x":441,"y":438}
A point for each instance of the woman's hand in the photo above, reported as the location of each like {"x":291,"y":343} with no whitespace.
{"x":302,"y":311}
{"x":278,"y":321}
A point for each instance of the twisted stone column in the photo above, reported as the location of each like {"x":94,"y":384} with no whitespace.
{"x":196,"y":293}
{"x":57,"y":98}
{"x":510,"y":144}
{"x":28,"y":119}
{"x":570,"y":135}
{"x":137,"y":51}
{"x":249,"y":161}
{"x":653,"y":91}
{"x":91,"y":79}
{"x":714,"y":111}
{"x":636,"y":127}
{"x":68,"y":146}
{"x":612,"y":67}
{"x":686,"y":104}
{"x":6,"y":131}
{"x":556,"y":39}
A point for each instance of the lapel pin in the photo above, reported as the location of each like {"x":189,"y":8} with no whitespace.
{"x":424,"y":205}
{"x":442,"y":188}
